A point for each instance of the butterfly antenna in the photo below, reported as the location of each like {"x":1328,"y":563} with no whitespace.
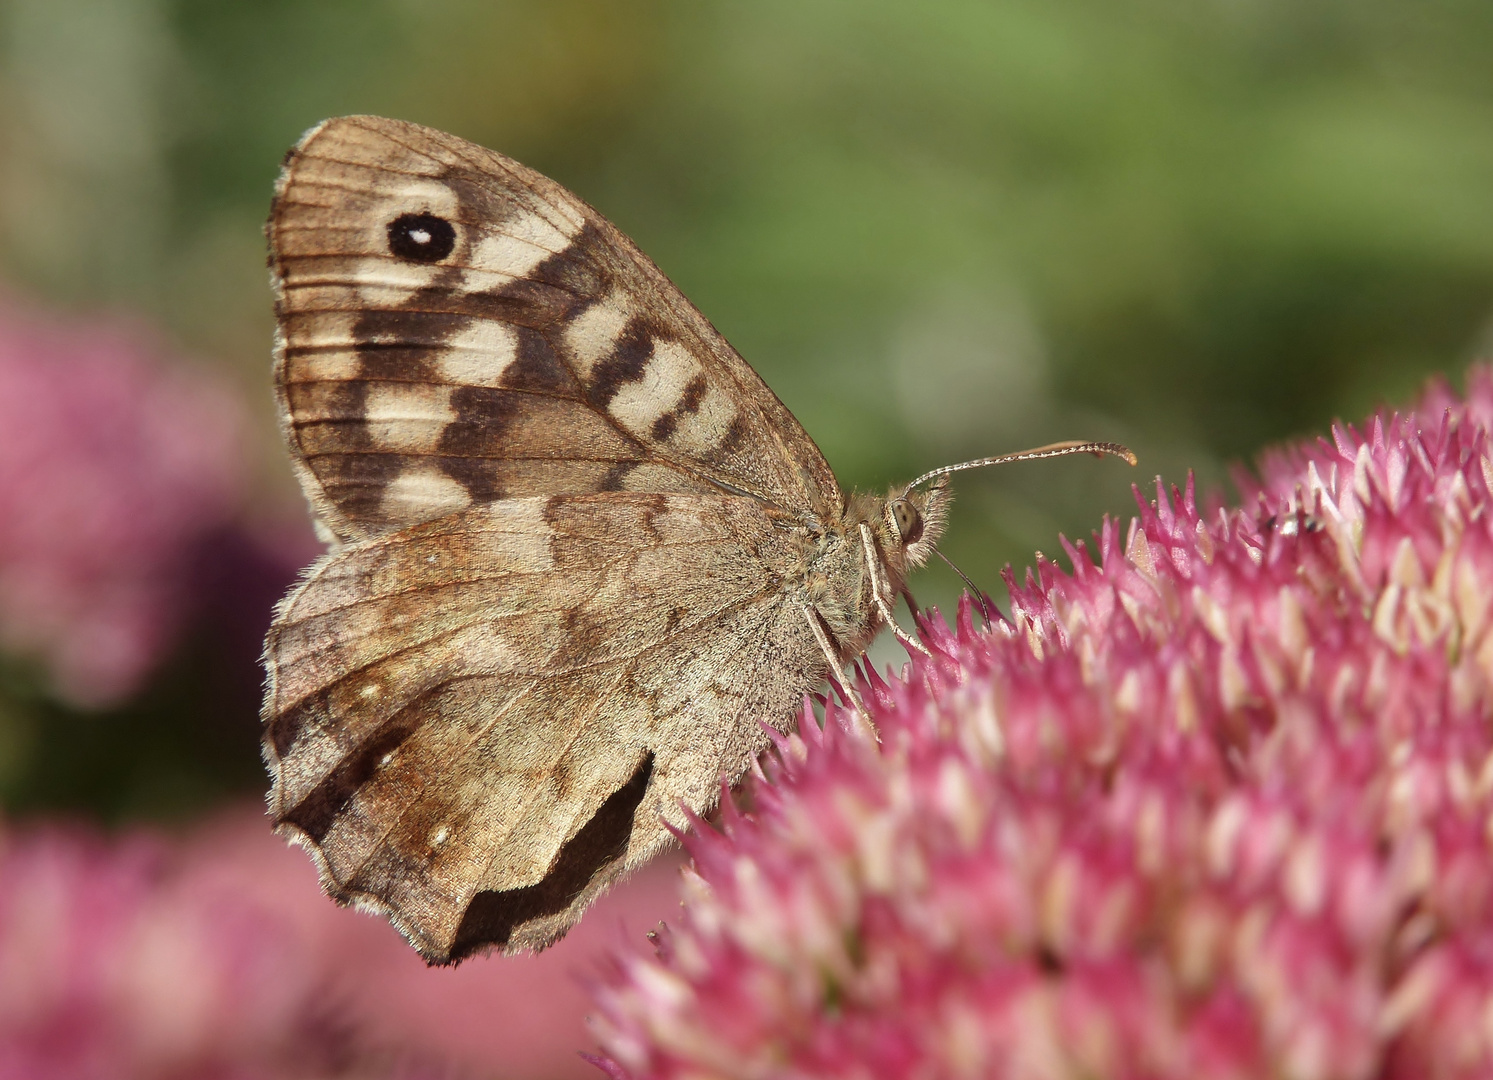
{"x":1058,"y":449}
{"x":984,"y":601}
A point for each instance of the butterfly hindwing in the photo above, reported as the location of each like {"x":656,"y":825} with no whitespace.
{"x":477,"y":722}
{"x":456,"y":328}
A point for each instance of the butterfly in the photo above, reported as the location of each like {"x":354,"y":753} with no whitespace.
{"x":578,"y":552}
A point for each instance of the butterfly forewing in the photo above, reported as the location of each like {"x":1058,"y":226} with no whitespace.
{"x":476,"y":723}
{"x":582,"y":552}
{"x":456,"y":328}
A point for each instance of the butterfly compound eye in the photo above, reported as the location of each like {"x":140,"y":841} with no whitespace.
{"x":421,"y":237}
{"x":909,"y":521}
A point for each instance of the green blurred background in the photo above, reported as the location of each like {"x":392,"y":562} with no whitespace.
{"x":938,"y":230}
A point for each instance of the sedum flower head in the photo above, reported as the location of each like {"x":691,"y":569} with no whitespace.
{"x":1220,"y":805}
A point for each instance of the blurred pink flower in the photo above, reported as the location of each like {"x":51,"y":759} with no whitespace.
{"x":1219,"y":806}
{"x":217,"y":955}
{"x":114,"y":462}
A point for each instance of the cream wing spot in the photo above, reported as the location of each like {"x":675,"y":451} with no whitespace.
{"x":707,"y":428}
{"x":511,"y":256}
{"x":411,"y":196}
{"x":638,"y":404}
{"x":593,"y":334}
{"x":564,"y":215}
{"x":553,"y":213}
{"x":388,"y":282}
{"x":407,"y":418}
{"x":541,"y":232}
{"x":422,"y":492}
{"x":479,"y":355}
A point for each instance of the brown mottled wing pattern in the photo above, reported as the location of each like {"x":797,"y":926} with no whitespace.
{"x":476,"y":723}
{"x":455,"y":328}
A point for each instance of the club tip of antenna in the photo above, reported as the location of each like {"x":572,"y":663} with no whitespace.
{"x":1109,"y":449}
{"x":1098,"y":449}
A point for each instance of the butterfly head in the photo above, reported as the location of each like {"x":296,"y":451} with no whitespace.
{"x":914,"y":519}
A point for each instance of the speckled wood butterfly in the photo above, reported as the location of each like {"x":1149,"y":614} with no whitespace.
{"x":579,"y":551}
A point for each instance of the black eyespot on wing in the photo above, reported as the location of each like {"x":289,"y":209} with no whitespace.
{"x":421,"y":237}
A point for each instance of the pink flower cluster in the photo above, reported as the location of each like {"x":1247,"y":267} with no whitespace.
{"x":116,"y":962}
{"x":215,"y":955}
{"x":1220,"y":805}
{"x":113,"y":464}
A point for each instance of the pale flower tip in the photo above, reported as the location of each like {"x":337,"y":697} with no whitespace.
{"x":876,"y":683}
{"x":964,"y":619}
{"x":612,"y":1069}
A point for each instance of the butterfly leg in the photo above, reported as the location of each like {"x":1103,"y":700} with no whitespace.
{"x":868,"y":545}
{"x":836,"y":674}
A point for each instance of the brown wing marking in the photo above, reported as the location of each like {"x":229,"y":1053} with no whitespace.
{"x":547,"y":856}
{"x":587,"y":863}
{"x":372,"y":813}
{"x":532,"y":917}
{"x":534,"y":719}
{"x":541,"y":354}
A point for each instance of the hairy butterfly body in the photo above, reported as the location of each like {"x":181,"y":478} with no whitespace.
{"x":578,"y":550}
